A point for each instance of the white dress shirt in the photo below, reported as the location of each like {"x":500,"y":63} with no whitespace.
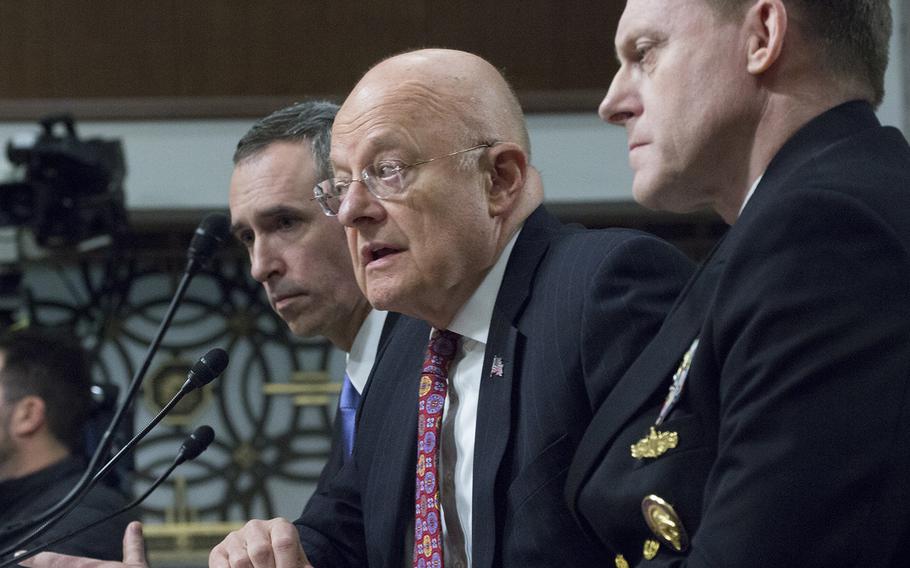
{"x":473,"y":323}
{"x":359,"y":361}
{"x":749,"y":194}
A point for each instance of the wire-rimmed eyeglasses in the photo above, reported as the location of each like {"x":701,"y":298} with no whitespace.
{"x":383,"y":179}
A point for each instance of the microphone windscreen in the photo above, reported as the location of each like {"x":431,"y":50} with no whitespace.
{"x":208,"y":367}
{"x":210,"y":234}
{"x":196,"y":443}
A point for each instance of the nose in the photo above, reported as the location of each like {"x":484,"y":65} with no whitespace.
{"x":621,"y":103}
{"x":360,"y":206}
{"x":265,"y":262}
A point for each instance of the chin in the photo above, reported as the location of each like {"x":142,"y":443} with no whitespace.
{"x":660,"y":197}
{"x":388,"y":298}
{"x":646,"y":196}
{"x":381,"y":302}
{"x":304,"y":328}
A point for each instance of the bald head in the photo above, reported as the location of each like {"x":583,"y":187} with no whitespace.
{"x":437,"y":144}
{"x":456,"y":90}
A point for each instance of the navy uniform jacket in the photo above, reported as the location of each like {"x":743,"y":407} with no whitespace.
{"x":793,"y":423}
{"x":574,"y":309}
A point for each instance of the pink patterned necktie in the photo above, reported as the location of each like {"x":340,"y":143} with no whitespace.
{"x":432,"y":396}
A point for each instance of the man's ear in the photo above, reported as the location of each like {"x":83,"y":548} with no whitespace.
{"x":508,"y":170}
{"x":28,"y":416}
{"x":766,"y":23}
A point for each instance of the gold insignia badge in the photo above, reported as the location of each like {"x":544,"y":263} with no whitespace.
{"x":655,"y":444}
{"x":620,"y":561}
{"x":650,"y":549}
{"x":664,"y":522}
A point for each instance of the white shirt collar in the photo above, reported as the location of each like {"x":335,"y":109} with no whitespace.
{"x":473,"y":319}
{"x":749,"y":194}
{"x":363,"y":352}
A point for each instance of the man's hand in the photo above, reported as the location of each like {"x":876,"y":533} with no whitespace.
{"x":260,"y":544}
{"x":133,"y":555}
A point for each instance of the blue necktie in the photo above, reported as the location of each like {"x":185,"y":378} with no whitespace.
{"x":347,"y":406}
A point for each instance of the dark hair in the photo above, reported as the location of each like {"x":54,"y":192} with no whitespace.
{"x":852,"y":36}
{"x":55,"y":368}
{"x":309,"y":121}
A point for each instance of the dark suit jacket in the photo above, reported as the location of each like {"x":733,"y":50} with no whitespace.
{"x":336,"y":452}
{"x":574,"y":309}
{"x":794,"y":420}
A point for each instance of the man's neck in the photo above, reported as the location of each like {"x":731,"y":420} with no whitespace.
{"x":27,"y":462}
{"x":344,"y":338}
{"x":782,"y":117}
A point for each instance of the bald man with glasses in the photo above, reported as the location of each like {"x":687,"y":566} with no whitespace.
{"x":515,"y":327}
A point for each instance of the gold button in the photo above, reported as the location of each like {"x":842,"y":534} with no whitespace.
{"x":620,"y":561}
{"x":650,"y":549}
{"x":664,"y":522}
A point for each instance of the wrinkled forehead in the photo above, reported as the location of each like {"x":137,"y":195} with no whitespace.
{"x":411,"y":114}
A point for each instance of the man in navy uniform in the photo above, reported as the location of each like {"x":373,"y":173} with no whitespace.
{"x":767,"y":423}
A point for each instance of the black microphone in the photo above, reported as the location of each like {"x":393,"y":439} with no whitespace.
{"x":211,"y":231}
{"x":195,"y":444}
{"x":206,"y":369}
{"x":192,"y":446}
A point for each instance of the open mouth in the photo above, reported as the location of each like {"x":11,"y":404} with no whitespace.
{"x":371,"y":254}
{"x":382,"y":252}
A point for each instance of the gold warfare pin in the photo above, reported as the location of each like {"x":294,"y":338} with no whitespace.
{"x":655,"y":444}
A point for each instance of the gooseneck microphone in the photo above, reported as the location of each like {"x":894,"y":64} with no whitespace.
{"x":204,"y":371}
{"x":192,"y":446}
{"x":212,"y":231}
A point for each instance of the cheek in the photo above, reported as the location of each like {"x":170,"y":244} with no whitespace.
{"x":352,"y":247}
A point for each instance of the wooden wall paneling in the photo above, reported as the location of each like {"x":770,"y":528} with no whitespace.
{"x":113,"y":53}
{"x":540,"y":44}
{"x":86,"y":49}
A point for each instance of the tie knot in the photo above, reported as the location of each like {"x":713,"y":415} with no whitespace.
{"x":444,"y":343}
{"x":440,"y":352}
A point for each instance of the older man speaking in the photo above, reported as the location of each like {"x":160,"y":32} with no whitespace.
{"x":465,"y":442}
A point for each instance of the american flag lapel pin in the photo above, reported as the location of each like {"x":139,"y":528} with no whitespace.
{"x":496,"y":368}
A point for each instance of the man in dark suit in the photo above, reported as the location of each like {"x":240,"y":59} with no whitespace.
{"x":444,"y":223}
{"x":766,"y":424}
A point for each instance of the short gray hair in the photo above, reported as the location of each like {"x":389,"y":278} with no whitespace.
{"x":309,"y":121}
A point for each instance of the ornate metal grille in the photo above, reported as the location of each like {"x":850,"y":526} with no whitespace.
{"x":268,"y":451}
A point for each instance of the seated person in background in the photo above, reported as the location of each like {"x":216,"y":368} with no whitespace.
{"x":45,"y":401}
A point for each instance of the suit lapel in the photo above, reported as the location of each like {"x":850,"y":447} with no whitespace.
{"x":389,"y":482}
{"x":652,"y":370}
{"x":494,"y":407}
{"x":494,"y":421}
